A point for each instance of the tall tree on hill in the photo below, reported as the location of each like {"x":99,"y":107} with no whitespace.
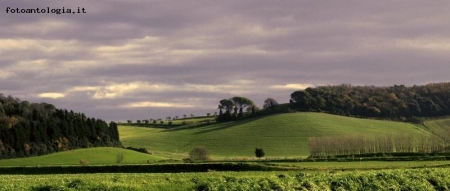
{"x":270,"y":103}
{"x":241,"y":103}
{"x":220,"y":108}
{"x":301,"y":100}
{"x":228,"y":106}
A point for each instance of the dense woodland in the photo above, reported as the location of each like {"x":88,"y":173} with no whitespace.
{"x":32,"y":129}
{"x":396,"y":102}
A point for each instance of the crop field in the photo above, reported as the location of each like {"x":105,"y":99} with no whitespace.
{"x":92,"y":156}
{"x":283,"y":135}
{"x":410,"y":179}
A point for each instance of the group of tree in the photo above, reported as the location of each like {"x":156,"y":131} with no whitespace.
{"x":233,"y":108}
{"x":31,"y":129}
{"x":396,"y":102}
{"x":270,"y":103}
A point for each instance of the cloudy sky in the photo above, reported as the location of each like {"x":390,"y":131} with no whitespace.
{"x":135,"y":59}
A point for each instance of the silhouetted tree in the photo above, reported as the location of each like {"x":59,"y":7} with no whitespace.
{"x":241,"y":103}
{"x":199,"y":153}
{"x":270,"y":103}
{"x":259,"y":152}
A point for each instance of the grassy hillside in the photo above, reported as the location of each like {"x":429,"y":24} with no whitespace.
{"x":439,"y":127}
{"x":283,"y":135}
{"x":99,"y":155}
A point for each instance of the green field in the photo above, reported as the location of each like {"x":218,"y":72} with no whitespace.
{"x":93,"y":156}
{"x":282,"y":135}
{"x":409,"y":179}
{"x":439,"y":127}
{"x":359,"y":165}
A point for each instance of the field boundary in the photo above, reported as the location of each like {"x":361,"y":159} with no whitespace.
{"x":155,"y":168}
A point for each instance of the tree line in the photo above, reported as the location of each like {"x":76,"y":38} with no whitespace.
{"x":396,"y":102}
{"x":361,"y":144}
{"x":239,"y":107}
{"x":32,"y":129}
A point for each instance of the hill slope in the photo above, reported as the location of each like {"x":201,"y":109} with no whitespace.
{"x":98,"y":155}
{"x":283,"y":135}
{"x":439,"y":127}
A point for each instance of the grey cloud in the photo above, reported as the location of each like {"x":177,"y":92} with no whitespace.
{"x":215,"y":44}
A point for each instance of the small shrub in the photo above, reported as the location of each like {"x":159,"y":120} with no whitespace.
{"x":199,"y":153}
{"x":83,"y":162}
{"x":259,"y":152}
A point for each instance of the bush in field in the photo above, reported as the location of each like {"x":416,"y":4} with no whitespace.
{"x":199,"y":153}
{"x":83,"y":162}
{"x":259,"y":152}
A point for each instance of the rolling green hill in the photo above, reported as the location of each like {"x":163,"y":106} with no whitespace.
{"x":439,"y":127}
{"x":282,"y":135}
{"x":93,"y":156}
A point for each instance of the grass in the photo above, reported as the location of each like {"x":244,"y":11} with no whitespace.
{"x":93,"y":156}
{"x":282,"y":135}
{"x":439,"y":127}
{"x":400,"y":179}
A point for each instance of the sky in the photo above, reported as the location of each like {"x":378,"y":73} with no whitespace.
{"x":135,"y":59}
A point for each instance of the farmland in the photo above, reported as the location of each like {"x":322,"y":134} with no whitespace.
{"x":91,"y":156}
{"x":440,"y":127}
{"x":412,"y":179}
{"x":282,"y":135}
{"x":284,"y":138}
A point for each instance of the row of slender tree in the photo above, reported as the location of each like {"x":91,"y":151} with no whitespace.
{"x":360,"y":144}
{"x":31,"y":129}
